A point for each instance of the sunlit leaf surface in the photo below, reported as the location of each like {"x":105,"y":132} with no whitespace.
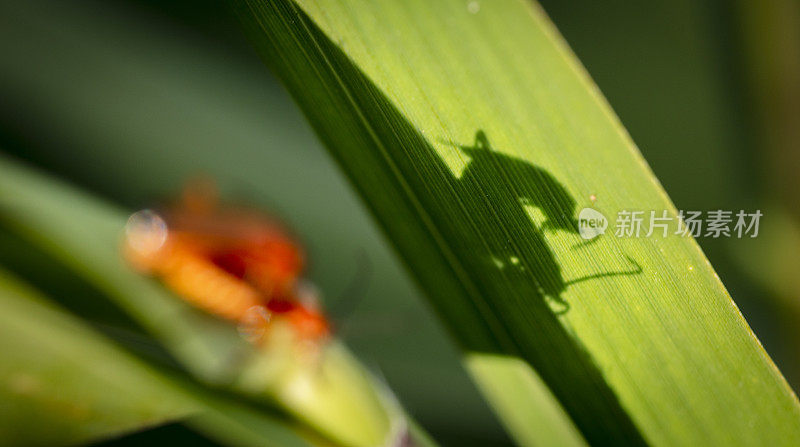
{"x":476,"y":138}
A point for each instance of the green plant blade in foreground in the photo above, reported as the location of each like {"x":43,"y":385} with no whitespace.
{"x":62,"y":385}
{"x":65,"y":384}
{"x":475,"y":137}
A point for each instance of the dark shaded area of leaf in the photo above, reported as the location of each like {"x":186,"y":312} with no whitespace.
{"x":385,"y":146}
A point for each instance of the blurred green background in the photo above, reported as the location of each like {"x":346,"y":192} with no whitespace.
{"x":127,"y":99}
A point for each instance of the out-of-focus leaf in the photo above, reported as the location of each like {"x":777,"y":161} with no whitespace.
{"x":85,"y":234}
{"x":60,"y":383}
{"x":517,"y":392}
{"x":476,"y":137}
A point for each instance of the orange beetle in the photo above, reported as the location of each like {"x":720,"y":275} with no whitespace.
{"x":231,"y":262}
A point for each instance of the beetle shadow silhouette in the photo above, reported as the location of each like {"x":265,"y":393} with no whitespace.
{"x":459,"y":226}
{"x":531,"y":264}
{"x":531,"y":186}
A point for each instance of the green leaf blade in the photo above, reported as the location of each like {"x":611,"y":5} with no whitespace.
{"x":63,"y":385}
{"x":661,"y":356}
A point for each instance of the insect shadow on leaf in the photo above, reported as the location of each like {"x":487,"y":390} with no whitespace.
{"x":521,"y":250}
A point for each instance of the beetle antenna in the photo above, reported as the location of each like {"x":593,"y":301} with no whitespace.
{"x":355,"y":291}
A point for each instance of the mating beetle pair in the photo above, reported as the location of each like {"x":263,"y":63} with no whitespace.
{"x":232,"y":262}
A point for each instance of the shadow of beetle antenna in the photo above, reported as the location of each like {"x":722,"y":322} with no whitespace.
{"x":634,"y":271}
{"x":585,"y":243}
{"x":637,"y":269}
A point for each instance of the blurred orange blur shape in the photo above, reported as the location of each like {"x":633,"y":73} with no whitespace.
{"x":231,"y":262}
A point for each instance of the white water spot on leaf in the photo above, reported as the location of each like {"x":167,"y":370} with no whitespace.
{"x":146,"y":232}
{"x":254,"y":323}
